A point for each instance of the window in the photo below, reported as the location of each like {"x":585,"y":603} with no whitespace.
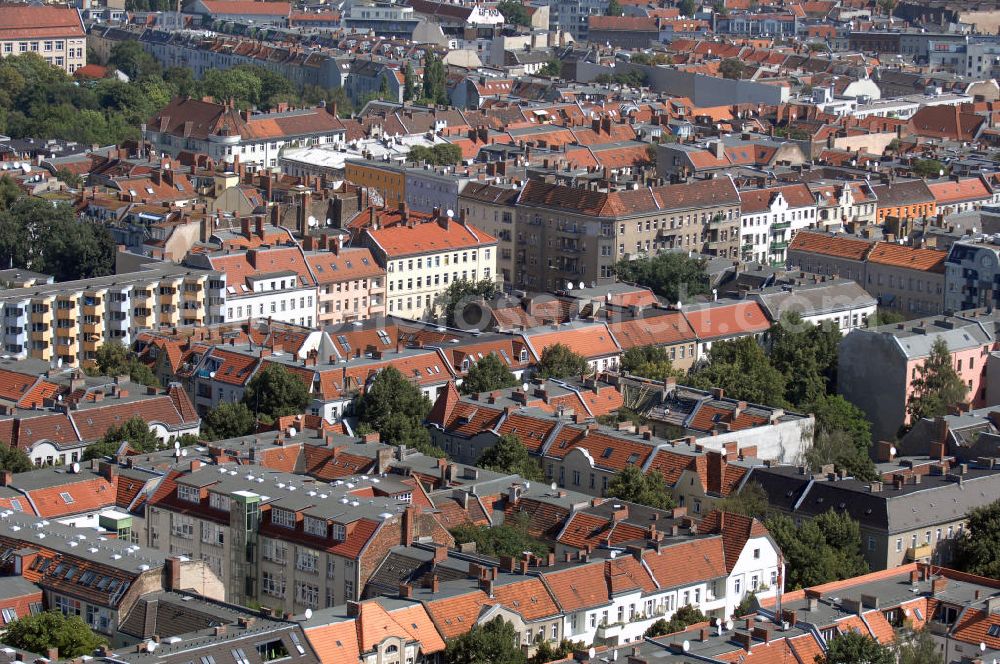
{"x":899,"y":544}
{"x":212,"y":533}
{"x":272,"y":584}
{"x":283,"y":518}
{"x":307,"y":594}
{"x":339,"y":532}
{"x":274,"y":551}
{"x":190,"y":494}
{"x":9,"y":615}
{"x":306,"y":561}
{"x":314,"y":526}
{"x":182,"y":526}
{"x":218,"y":501}
{"x":272,"y":650}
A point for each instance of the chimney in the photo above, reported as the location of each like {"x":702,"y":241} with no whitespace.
{"x":407,"y":524}
{"x":405,"y":591}
{"x":938,"y":585}
{"x":172,"y":572}
{"x":6,"y":478}
{"x":353,"y":608}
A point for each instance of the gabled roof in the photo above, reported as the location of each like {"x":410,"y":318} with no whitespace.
{"x":914,"y":258}
{"x":591,"y":340}
{"x":830,"y":245}
{"x":428,"y":237}
{"x":724,"y":320}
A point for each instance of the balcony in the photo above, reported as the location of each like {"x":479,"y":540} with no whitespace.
{"x":915,"y":553}
{"x":42,"y":316}
{"x":66,"y":313}
{"x":781,"y":225}
{"x":779,"y":246}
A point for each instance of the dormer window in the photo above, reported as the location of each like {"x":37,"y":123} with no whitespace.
{"x":219,"y":501}
{"x":339,"y":532}
{"x":314,"y":526}
{"x":524,"y":355}
{"x":466,"y":364}
{"x":283,"y":518}
{"x":190,"y":494}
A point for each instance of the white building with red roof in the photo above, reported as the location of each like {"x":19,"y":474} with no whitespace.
{"x":423,"y":258}
{"x":56,"y":34}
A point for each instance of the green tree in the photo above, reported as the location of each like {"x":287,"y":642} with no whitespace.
{"x":806,"y":355}
{"x":884,"y":317}
{"x":396,"y":408}
{"x":674,"y":275}
{"x":486,"y":375}
{"x":241,"y":85}
{"x":732,"y":68}
{"x":496,"y":642}
{"x":633,"y":486}
{"x":9,"y":192}
{"x":409,"y":82}
{"x":751,"y":500}
{"x":553,"y":67}
{"x":887,"y":6}
{"x":134,"y":430}
{"x":937,"y":386}
{"x":511,"y":538}
{"x":442,"y":154}
{"x":51,"y":629}
{"x":843,"y":437}
{"x":687,"y":8}
{"x":115,"y":359}
{"x":978,"y":550}
{"x":435,"y":83}
{"x":929,"y":168}
{"x":132,"y":60}
{"x":275,"y":391}
{"x":685,"y":616}
{"x":513,"y":12}
{"x":228,"y":420}
{"x":742,"y":370}
{"x":825,"y":548}
{"x":856,"y":648}
{"x":69,"y":178}
{"x":558,"y":361}
{"x":460,"y":302}
{"x":919,"y":648}
{"x":14,"y":459}
{"x":746,"y":606}
{"x":614,"y":8}
{"x":509,"y":455}
{"x":649,"y":362}
{"x":546,"y":652}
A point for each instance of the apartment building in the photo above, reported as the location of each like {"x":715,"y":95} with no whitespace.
{"x":907,"y":279}
{"x":422,"y":187}
{"x":265,"y":281}
{"x":422,"y":258}
{"x":55,"y":34}
{"x":770,"y":218}
{"x":67,"y":322}
{"x":910,"y":518}
{"x":491,"y":207}
{"x":970,"y":276}
{"x":225,"y":133}
{"x":905,"y":200}
{"x":568,"y":235}
{"x":282,"y":540}
{"x":841,"y":303}
{"x":350,"y":284}
{"x":840,"y":203}
{"x":877,"y":366}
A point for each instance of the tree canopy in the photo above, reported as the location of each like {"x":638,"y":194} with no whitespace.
{"x":644,"y":489}
{"x":514,"y":12}
{"x":684,"y":617}
{"x":274,"y":392}
{"x":558,"y":361}
{"x":135,"y":430}
{"x":853,"y":647}
{"x":115,"y":359}
{"x":509,"y":455}
{"x":496,"y":642}
{"x":51,"y":629}
{"x":750,"y":500}
{"x":741,"y":368}
{"x":918,"y":649}
{"x":649,"y":362}
{"x":510,"y":538}
{"x":489,"y":373}
{"x":824,"y":548}
{"x":978,"y":550}
{"x":396,"y":408}
{"x":435,"y":80}
{"x":674,"y":275}
{"x":442,"y":154}
{"x":937,"y":386}
{"x":14,"y":459}
{"x":928,"y":168}
{"x":732,"y":68}
{"x":807,"y":356}
{"x":460,"y":302}
{"x":614,"y":8}
{"x":687,"y":8}
{"x":228,"y":420}
{"x":843,"y":437}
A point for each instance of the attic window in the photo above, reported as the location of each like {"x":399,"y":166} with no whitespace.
{"x":383,"y":337}
{"x":632,"y":458}
{"x":68,"y":499}
{"x":994,"y":630}
{"x":608,"y":452}
{"x":15,"y":505}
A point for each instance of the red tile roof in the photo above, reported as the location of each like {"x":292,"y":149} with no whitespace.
{"x":589,"y":340}
{"x":914,"y":258}
{"x":248,"y":7}
{"x":727,"y":320}
{"x":19,"y":21}
{"x":829,"y":245}
{"x":428,"y":237}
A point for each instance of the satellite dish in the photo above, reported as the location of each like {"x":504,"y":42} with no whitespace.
{"x":177,"y":444}
{"x":591,"y":652}
{"x":292,"y":432}
{"x":211,"y":375}
{"x":729,"y":625}
{"x":451,"y":213}
{"x":569,"y":285}
{"x":309,"y":614}
{"x":892,"y":450}
{"x":75,"y":467}
{"x":311,"y":221}
{"x":329,"y":222}
{"x":151,"y":645}
{"x":59,"y":363}
{"x":686,"y":646}
{"x":26,"y":167}
{"x":524,"y":386}
{"x":982,"y":647}
{"x":582,"y":285}
{"x":184,"y":453}
{"x":554,"y":486}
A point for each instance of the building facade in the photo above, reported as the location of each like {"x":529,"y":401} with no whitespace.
{"x":55,"y":34}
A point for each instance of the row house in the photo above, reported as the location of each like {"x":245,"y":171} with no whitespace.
{"x":226,"y":133}
{"x":958,"y":194}
{"x":877,"y":367}
{"x":55,"y":34}
{"x":770,"y":218}
{"x":350,"y":284}
{"x":904,"y":278}
{"x":559,"y":235}
{"x":283,"y":540}
{"x":86,"y":574}
{"x":422,"y":258}
{"x":59,"y":429}
{"x":839,"y":204}
{"x":68,"y":322}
